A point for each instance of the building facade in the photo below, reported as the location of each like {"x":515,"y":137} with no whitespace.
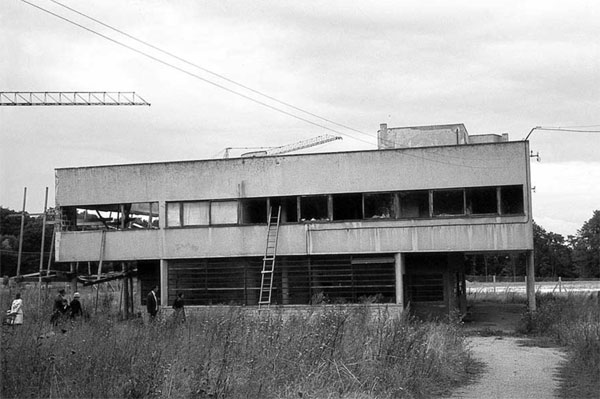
{"x":391,"y":225}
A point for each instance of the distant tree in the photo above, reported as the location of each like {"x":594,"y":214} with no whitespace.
{"x":586,"y":247}
{"x":552,"y":254}
{"x":10,"y":229}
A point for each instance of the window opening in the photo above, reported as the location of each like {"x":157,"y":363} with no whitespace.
{"x":174,"y":214}
{"x":289,"y":208}
{"x":425,"y":287}
{"x":448,"y":202}
{"x":313,"y":208}
{"x":511,"y":200}
{"x":195,"y":213}
{"x":253,"y":211}
{"x":208,"y":282}
{"x":347,"y":206}
{"x":482,"y":200}
{"x":379,"y":206}
{"x":414,"y":204}
{"x":136,"y":215}
{"x":223,"y":212}
{"x":141,"y":215}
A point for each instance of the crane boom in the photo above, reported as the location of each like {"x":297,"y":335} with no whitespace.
{"x":35,"y":98}
{"x":302,"y":144}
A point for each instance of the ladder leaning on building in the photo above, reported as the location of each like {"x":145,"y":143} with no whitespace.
{"x":268,"y":269}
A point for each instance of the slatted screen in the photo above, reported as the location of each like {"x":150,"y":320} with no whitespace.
{"x":297,"y":280}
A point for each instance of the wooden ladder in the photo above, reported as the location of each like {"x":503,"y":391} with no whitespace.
{"x":266,"y":283}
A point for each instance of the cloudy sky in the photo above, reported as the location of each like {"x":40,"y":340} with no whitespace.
{"x":497,"y":67}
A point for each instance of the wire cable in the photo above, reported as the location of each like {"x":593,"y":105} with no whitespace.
{"x":577,"y":127}
{"x":194,"y":75}
{"x":561,"y":129}
{"x":209,"y":71}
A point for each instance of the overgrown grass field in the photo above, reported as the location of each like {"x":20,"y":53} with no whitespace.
{"x":326,"y":352}
{"x":571,"y":321}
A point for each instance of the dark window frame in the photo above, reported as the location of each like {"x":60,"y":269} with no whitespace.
{"x":445,"y":202}
{"x":478,"y":198}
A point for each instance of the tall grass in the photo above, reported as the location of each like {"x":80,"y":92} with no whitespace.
{"x":572,"y":321}
{"x":232,"y":353}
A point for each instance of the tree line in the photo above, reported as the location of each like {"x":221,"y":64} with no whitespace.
{"x":576,"y":256}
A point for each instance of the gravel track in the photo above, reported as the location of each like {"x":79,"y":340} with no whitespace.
{"x":512,"y":371}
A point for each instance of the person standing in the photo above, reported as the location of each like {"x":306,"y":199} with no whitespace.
{"x":178,"y":306}
{"x":75,"y":306}
{"x":61,"y":306}
{"x":16,"y":311}
{"x":152,"y":303}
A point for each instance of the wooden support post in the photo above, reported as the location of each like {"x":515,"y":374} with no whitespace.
{"x":130,"y":280}
{"x":51,"y":248}
{"x":42,"y":246}
{"x":102,"y":245}
{"x":21,"y":233}
{"x":125,"y":289}
{"x":97,"y":294}
{"x":73,"y":282}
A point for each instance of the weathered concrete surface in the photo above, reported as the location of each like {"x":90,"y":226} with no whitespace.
{"x":512,"y":371}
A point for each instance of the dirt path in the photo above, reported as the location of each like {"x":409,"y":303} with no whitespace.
{"x":512,"y":370}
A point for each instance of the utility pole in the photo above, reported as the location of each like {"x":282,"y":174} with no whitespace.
{"x":45,"y":215}
{"x":21,"y":232}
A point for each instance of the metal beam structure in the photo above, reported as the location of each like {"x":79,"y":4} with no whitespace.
{"x":303,"y":144}
{"x":284,"y":149}
{"x":55,"y":98}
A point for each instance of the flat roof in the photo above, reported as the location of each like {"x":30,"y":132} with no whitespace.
{"x":316,"y":154}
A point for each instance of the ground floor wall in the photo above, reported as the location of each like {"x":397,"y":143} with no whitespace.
{"x":426,"y":283}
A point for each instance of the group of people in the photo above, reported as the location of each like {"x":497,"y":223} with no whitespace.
{"x":64,"y":309}
{"x":152,"y":306}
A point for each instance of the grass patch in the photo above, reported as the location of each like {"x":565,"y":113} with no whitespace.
{"x":573,"y":322}
{"x":348,"y":352}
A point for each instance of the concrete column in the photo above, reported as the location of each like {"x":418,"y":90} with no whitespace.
{"x":164,"y":283}
{"x":400,"y":269}
{"x":531,"y":282}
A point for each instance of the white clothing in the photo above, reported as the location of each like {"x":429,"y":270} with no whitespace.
{"x":17,"y":308}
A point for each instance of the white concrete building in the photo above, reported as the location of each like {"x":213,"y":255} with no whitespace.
{"x":392,"y":225}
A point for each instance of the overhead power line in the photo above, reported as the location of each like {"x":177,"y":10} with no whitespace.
{"x":577,"y":127}
{"x":558,"y":129}
{"x":562,"y":129}
{"x":191,"y":73}
{"x":247,"y":97}
{"x":145,"y":43}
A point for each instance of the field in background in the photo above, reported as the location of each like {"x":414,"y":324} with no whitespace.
{"x":481,"y":290}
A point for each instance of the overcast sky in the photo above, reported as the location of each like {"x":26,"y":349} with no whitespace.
{"x":497,"y":67}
